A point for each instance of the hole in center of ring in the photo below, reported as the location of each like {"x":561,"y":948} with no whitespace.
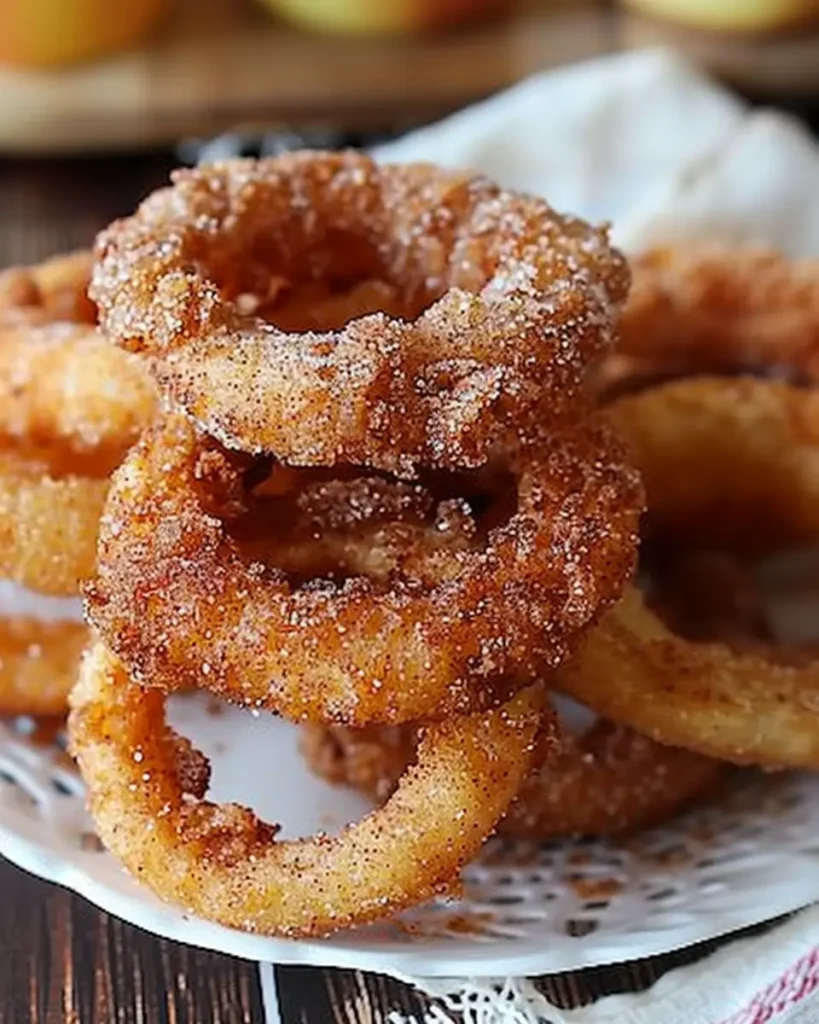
{"x":322,"y":526}
{"x":340,"y":282}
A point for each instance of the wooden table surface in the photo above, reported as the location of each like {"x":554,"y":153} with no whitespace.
{"x":62,"y":961}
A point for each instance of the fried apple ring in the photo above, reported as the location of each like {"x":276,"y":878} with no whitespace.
{"x":713,"y":309}
{"x":64,"y":384}
{"x":737,"y":463}
{"x":61,"y":382}
{"x":446,"y":629}
{"x":606,"y":782}
{"x":146,"y":791}
{"x":504,"y":305}
{"x":727,"y":463}
{"x":48,"y":523}
{"x":39,"y":662}
{"x":56,"y":290}
{"x":70,"y":407}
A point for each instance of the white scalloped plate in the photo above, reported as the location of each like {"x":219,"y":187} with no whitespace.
{"x":525,"y":911}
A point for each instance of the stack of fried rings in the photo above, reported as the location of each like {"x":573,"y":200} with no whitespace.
{"x":728,"y":463}
{"x":624,"y":784}
{"x":70,"y":406}
{"x":402,"y":593}
{"x":708,"y":310}
{"x":437,"y":548}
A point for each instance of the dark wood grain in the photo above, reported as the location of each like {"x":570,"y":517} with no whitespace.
{"x":48,"y":207}
{"x":64,"y":962}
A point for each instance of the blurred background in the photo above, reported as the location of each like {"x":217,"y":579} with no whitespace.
{"x":77,"y":75}
{"x":98,"y":98}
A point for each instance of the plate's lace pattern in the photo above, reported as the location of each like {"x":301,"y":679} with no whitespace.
{"x":525,"y":908}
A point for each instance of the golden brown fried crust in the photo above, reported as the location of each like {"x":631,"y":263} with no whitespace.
{"x":608,"y":782}
{"x":223,"y":863}
{"x":408,"y":621}
{"x":64,"y":386}
{"x":503,"y":303}
{"x":48,"y":525}
{"x":50,"y":292}
{"x":730,"y":464}
{"x":726,"y":463}
{"x":39,"y":663}
{"x":703,"y":310}
{"x":387,"y":585}
{"x":70,"y":407}
{"x":369,"y":760}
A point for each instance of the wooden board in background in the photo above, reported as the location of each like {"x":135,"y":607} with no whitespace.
{"x":222,"y":64}
{"x":777,"y":67}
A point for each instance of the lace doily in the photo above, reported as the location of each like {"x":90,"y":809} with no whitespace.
{"x":525,"y":910}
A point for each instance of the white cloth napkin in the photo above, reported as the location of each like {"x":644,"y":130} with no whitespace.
{"x":769,"y":979}
{"x":648,"y":142}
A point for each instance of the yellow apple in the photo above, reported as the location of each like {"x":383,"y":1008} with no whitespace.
{"x":382,"y":17}
{"x":733,"y":15}
{"x":51,"y":33}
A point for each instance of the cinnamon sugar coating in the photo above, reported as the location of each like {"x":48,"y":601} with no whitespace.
{"x":716,"y":309}
{"x":498,"y":306}
{"x":607,"y":782}
{"x":346,"y":604}
{"x":733,"y":464}
{"x":70,"y":407}
{"x":147,"y":786}
{"x":39,"y":663}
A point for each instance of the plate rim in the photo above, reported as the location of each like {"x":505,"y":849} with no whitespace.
{"x":487,"y":959}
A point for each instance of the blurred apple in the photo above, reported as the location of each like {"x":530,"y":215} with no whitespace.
{"x":733,"y":15}
{"x":51,"y":33}
{"x":383,"y":17}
